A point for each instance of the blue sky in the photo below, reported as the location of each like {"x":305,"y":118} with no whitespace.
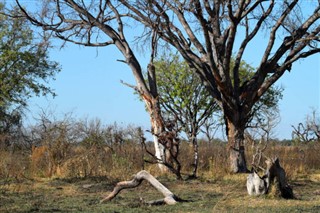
{"x":89,"y":86}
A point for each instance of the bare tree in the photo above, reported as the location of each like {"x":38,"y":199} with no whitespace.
{"x":309,"y":131}
{"x":274,"y":179}
{"x":205,"y":33}
{"x":100,"y":24}
{"x":260,"y":132}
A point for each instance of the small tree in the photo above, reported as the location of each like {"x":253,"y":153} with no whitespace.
{"x":184,"y":99}
{"x":24,"y":69}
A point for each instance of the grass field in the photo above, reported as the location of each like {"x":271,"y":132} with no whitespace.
{"x":227,"y":194}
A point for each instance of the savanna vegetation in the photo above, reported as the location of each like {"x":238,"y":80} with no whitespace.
{"x":213,"y":37}
{"x":69,"y":164}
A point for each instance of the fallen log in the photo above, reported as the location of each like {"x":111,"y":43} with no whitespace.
{"x":169,"y":197}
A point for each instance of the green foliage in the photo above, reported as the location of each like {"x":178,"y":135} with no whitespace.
{"x":185,"y":97}
{"x":25,"y":68}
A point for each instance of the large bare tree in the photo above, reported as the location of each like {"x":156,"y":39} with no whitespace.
{"x":100,"y":24}
{"x":209,"y":33}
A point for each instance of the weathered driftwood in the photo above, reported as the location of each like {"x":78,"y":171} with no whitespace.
{"x":273,"y":182}
{"x":169,"y":197}
{"x":257,"y":185}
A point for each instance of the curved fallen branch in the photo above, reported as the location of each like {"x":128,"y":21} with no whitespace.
{"x":169,"y":197}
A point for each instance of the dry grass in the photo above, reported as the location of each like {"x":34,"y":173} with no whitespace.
{"x":87,"y":173}
{"x":120,"y":162}
{"x":224,"y":195}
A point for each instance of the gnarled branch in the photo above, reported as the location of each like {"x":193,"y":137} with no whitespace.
{"x":169,"y":197}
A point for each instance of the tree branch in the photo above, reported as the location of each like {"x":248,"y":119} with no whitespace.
{"x":169,"y":197}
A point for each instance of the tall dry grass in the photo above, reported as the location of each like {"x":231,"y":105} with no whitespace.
{"x":85,"y":149}
{"x":295,"y":159}
{"x":122,"y":161}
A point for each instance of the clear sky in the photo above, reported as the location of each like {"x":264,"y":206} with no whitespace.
{"x":89,"y":86}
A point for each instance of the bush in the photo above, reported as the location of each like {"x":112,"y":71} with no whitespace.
{"x":69,"y":148}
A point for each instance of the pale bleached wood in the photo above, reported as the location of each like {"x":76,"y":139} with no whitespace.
{"x":169,"y":197}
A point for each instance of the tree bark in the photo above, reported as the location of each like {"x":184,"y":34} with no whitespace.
{"x":237,"y":160}
{"x":169,"y":197}
{"x":274,"y":181}
{"x":277,"y":181}
{"x":157,"y":125}
{"x":166,"y":142}
{"x":195,"y":156}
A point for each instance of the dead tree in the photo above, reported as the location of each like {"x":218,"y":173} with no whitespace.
{"x":273,"y":182}
{"x":278,"y":185}
{"x":171,"y":143}
{"x":257,"y":185}
{"x":169,"y":197}
{"x":310,"y":131}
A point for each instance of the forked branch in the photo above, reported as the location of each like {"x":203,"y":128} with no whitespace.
{"x":169,"y":197}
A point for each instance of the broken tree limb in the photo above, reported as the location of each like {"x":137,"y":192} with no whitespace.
{"x":169,"y":197}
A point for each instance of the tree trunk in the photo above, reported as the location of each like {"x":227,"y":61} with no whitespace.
{"x":169,"y":197}
{"x":237,"y":160}
{"x":160,"y":152}
{"x":166,"y":143}
{"x":195,"y":156}
{"x":157,"y":125}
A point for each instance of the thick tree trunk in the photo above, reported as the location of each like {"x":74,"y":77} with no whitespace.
{"x":169,"y":197}
{"x":237,"y":160}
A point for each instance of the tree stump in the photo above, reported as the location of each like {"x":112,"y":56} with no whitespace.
{"x":274,"y":181}
{"x":278,"y":185}
{"x":169,"y":197}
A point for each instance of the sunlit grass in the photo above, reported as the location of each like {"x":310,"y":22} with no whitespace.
{"x":82,"y":182}
{"x":83,"y":195}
